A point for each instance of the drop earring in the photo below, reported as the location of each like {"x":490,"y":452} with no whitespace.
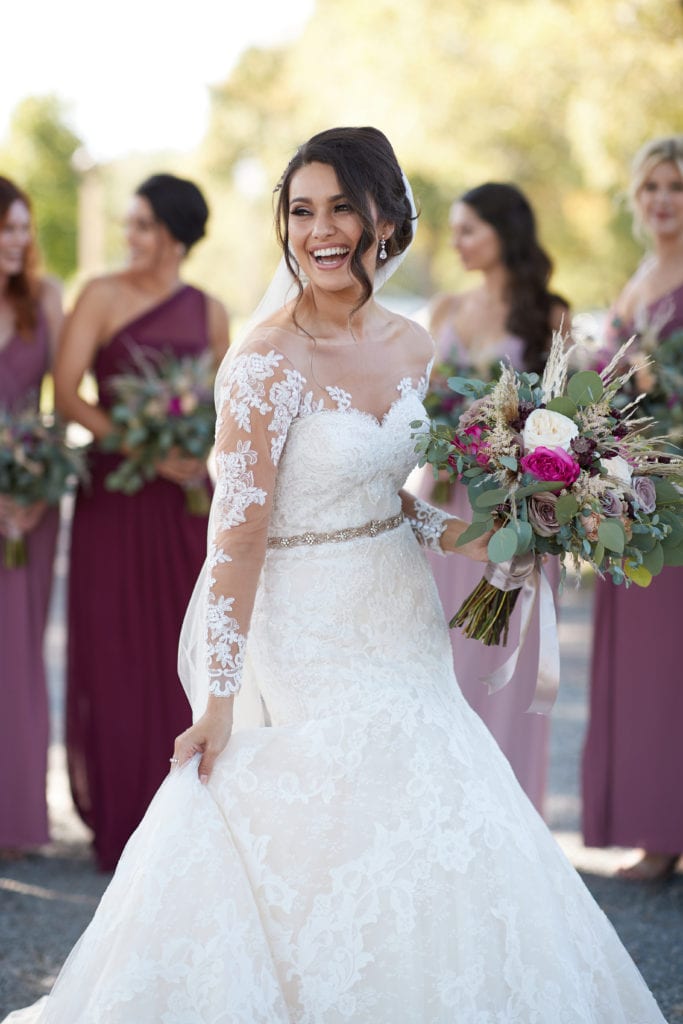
{"x":382,"y":248}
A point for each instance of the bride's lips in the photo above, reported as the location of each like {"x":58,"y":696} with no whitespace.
{"x":330,"y":257}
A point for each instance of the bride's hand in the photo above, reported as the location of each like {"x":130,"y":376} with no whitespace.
{"x":476,"y":549}
{"x":208,"y":736}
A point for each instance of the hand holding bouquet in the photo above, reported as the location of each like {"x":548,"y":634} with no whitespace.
{"x":36,"y":468}
{"x":163,"y":409}
{"x":560,"y":470}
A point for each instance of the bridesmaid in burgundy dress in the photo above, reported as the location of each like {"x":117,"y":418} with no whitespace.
{"x":510,"y":314}
{"x":134,"y":559}
{"x":633,"y":757}
{"x":30,"y":319}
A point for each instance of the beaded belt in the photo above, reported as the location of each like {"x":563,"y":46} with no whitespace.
{"x":370,"y":529}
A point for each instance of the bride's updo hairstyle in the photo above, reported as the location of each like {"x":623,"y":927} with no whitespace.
{"x":369,"y":175}
{"x":507,"y":210}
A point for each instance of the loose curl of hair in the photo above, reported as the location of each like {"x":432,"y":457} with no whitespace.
{"x":506,"y":209}
{"x":370,"y":177}
{"x":667,"y":149}
{"x":22,"y":289}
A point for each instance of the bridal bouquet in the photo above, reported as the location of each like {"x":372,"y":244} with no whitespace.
{"x":164,"y":405}
{"x":558,"y":469}
{"x":36,"y":465}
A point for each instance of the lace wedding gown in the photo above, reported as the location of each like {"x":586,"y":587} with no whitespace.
{"x":367,"y":856}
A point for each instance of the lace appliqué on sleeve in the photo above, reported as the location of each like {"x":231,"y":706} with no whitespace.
{"x":258,"y":401}
{"x":428,"y":524}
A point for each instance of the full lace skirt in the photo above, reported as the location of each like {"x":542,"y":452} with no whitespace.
{"x":369,"y":856}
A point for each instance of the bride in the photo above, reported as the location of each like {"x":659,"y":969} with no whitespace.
{"x":340,"y":839}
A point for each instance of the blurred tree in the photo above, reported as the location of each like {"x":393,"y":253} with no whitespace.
{"x":39,"y":156}
{"x":555,"y":95}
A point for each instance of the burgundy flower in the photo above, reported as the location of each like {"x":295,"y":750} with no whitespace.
{"x":174,"y":407}
{"x":524,"y":411}
{"x":551,"y":464}
{"x":584,"y":449}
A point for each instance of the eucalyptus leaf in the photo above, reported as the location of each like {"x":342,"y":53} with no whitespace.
{"x":564,"y":405}
{"x":566,"y":508}
{"x":611,"y":533}
{"x":585,"y":387}
{"x":654,"y":560}
{"x":502,"y":545}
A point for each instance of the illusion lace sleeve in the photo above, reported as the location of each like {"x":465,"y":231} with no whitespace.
{"x":257,"y":401}
{"x":427,"y":521}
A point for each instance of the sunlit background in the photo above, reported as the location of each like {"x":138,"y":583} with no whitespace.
{"x":554,"y":95}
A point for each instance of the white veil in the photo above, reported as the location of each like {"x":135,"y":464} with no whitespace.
{"x":192,"y":653}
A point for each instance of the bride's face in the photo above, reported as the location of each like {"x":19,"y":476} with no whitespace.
{"x":324,"y":230}
{"x":659,"y":201}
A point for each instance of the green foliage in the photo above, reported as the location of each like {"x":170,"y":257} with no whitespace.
{"x":39,"y":157}
{"x":555,"y":95}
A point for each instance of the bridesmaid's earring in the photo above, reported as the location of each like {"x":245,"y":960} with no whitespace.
{"x":382,"y":248}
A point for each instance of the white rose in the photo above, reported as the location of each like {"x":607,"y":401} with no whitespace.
{"x":618,"y":469}
{"x":547,"y":429}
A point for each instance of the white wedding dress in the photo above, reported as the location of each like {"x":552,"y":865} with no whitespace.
{"x":365,"y":854}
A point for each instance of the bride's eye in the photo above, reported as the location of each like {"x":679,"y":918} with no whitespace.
{"x":342,"y":208}
{"x":299,"y":211}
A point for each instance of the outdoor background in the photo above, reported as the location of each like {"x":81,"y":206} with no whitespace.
{"x":554,"y":95}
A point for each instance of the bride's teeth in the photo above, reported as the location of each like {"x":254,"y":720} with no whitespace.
{"x":330,"y":252}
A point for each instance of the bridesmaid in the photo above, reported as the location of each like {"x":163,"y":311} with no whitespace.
{"x":30,"y":320}
{"x":633,"y":756}
{"x":134,"y":559}
{"x":509,"y":314}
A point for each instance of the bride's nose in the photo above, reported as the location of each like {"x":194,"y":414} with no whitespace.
{"x":322,"y":225}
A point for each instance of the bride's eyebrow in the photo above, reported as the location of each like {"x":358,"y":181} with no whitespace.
{"x":307,"y":199}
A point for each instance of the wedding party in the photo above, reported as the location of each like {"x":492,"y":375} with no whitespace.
{"x":341,"y":535}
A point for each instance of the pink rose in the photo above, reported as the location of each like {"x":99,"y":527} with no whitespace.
{"x":470,"y":447}
{"x":551,"y":464}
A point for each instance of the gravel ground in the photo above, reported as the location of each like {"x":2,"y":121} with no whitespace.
{"x":47,"y":898}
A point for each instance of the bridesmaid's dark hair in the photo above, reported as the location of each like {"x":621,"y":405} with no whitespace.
{"x":178,"y":204}
{"x":509,"y":213}
{"x":369,"y":175}
{"x":23,"y":289}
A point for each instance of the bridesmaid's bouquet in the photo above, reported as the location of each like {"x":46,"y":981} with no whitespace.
{"x":557,"y":468}
{"x":36,"y":465}
{"x":164,"y":405}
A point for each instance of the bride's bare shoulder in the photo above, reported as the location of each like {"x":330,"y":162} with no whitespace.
{"x":416,"y":337}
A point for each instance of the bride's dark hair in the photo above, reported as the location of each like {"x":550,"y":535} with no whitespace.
{"x":509,"y":213}
{"x":369,"y":175}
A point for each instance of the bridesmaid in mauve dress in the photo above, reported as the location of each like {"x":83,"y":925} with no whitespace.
{"x":134,"y":559}
{"x":30,"y":319}
{"x":510,"y":315}
{"x":633,"y":756}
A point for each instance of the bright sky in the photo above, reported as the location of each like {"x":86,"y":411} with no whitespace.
{"x":134,"y":72}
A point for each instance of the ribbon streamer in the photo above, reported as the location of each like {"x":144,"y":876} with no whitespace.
{"x":526,"y":572}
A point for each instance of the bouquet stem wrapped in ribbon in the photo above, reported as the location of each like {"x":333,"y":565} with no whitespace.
{"x":555,"y":467}
{"x":164,"y":404}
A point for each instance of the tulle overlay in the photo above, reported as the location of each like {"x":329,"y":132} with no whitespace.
{"x":368,"y":854}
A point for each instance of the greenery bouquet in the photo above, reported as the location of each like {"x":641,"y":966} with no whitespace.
{"x":556,"y":468}
{"x":165,"y":404}
{"x":36,"y":465}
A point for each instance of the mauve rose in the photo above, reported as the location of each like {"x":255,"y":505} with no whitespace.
{"x":645,"y":492}
{"x":542,"y":514}
{"x":612,"y":504}
{"x":551,"y":464}
{"x":471,"y":415}
{"x":547,"y":429}
{"x":590,"y":524}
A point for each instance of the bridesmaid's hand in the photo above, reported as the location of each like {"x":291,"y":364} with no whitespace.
{"x":208,"y":736}
{"x":181,"y":469}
